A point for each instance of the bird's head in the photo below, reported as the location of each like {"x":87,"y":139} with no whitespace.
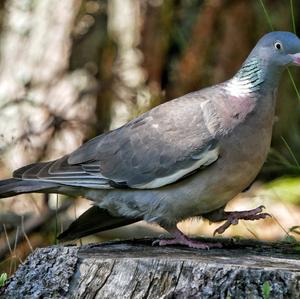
{"x":264,"y":65}
{"x":278,"y":48}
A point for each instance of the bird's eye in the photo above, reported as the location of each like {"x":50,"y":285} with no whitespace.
{"x":278,"y":45}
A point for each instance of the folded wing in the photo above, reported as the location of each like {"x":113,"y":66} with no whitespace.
{"x":158,"y":148}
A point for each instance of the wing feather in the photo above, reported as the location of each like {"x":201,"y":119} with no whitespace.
{"x":158,"y":148}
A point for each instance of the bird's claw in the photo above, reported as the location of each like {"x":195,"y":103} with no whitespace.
{"x":234,"y":217}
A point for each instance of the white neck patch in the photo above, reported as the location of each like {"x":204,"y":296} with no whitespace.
{"x":237,"y":87}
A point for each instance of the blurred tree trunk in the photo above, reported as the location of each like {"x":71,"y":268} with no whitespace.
{"x":54,"y":110}
{"x":94,"y":50}
{"x":46,"y":109}
{"x":131,"y":95}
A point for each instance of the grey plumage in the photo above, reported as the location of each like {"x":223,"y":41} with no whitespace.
{"x":155,"y":145}
{"x":187,"y":157}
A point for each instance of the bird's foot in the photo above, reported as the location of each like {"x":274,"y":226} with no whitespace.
{"x":181,"y":239}
{"x":187,"y":242}
{"x":234,"y":217}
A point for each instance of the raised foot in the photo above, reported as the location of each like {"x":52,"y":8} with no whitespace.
{"x":234,"y":217}
{"x":187,"y":242}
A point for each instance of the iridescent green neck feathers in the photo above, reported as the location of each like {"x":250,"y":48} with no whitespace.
{"x":248,"y":79}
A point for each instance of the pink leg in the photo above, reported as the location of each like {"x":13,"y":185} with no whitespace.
{"x":182,"y":239}
{"x":232,"y":218}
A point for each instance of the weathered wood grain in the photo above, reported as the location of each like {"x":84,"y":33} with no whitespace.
{"x":135,"y":269}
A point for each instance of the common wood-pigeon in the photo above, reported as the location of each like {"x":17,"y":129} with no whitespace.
{"x":185,"y":158}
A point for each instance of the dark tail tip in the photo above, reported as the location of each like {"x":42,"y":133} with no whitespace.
{"x":9,"y":187}
{"x":12,"y":187}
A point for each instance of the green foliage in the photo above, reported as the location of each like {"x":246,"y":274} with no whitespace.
{"x":297,"y":248}
{"x":3,"y":278}
{"x":287,"y":145}
{"x":268,"y":18}
{"x":293,"y":16}
{"x":285,"y":188}
{"x":295,"y":230}
{"x":285,"y":166}
{"x":266,"y":290}
{"x":291,"y":239}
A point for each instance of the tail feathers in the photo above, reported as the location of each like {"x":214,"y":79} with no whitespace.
{"x":92,"y":221}
{"x":12,"y":187}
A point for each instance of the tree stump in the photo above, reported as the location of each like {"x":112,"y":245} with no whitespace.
{"x":135,"y":269}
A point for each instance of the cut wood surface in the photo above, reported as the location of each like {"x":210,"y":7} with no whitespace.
{"x":135,"y":269}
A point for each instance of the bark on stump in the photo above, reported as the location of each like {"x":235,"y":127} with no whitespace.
{"x":135,"y":269}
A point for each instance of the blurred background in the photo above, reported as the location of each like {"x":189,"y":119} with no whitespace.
{"x":72,"y":69}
